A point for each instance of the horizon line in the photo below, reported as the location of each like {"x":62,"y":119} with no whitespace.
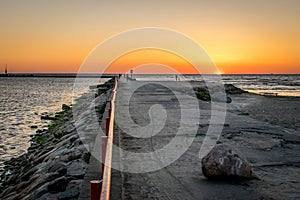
{"x":97,"y":74}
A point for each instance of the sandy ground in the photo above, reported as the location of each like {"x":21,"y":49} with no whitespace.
{"x":264,"y":129}
{"x":283,"y":111}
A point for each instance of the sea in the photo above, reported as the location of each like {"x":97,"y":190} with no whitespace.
{"x":266,"y":84}
{"x":23,"y":100}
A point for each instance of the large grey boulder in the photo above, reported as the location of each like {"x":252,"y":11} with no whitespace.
{"x":224,"y":162}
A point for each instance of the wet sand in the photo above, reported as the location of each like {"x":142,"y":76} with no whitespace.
{"x":264,"y":129}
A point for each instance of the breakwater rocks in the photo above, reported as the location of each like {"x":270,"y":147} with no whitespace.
{"x":55,"y":163}
{"x":204,"y":94}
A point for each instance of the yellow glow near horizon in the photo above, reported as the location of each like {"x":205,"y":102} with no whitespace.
{"x":157,"y":58}
{"x":240,"y":36}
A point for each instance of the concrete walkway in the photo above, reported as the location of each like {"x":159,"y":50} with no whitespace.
{"x":137,"y":103}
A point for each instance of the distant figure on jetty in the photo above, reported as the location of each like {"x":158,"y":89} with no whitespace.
{"x":131,"y":72}
{"x":5,"y":71}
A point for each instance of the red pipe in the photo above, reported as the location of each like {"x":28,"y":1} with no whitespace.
{"x":109,"y":112}
{"x":103,"y":145}
{"x":96,"y":186}
{"x":107,"y":125}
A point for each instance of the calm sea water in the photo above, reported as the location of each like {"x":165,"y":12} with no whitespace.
{"x":281,"y":85}
{"x":24,"y":100}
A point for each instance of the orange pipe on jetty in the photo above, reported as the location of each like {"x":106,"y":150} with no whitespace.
{"x":106,"y":176}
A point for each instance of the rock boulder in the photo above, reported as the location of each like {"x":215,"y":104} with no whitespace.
{"x":65,"y":107}
{"x":224,"y":162}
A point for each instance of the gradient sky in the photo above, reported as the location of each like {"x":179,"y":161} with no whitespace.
{"x":241,"y":36}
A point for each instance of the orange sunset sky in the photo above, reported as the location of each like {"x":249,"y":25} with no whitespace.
{"x":241,"y":36}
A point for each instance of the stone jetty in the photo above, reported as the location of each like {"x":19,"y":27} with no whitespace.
{"x":56,"y":161}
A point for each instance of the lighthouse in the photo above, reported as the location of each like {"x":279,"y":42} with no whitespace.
{"x":5,"y":69}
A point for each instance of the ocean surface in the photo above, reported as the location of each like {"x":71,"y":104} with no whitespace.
{"x":277,"y":85}
{"x":25,"y":99}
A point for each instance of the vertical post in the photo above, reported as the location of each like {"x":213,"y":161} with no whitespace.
{"x":110,"y":103}
{"x":107,"y":125}
{"x":95,"y":186}
{"x":103,"y":145}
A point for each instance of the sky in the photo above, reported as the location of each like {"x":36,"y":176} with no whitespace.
{"x":240,"y":36}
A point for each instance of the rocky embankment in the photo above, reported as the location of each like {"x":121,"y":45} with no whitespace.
{"x":202,"y":92}
{"x":55,"y":163}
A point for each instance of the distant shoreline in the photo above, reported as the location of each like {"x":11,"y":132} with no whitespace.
{"x":66,"y":75}
{"x":60,"y":75}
